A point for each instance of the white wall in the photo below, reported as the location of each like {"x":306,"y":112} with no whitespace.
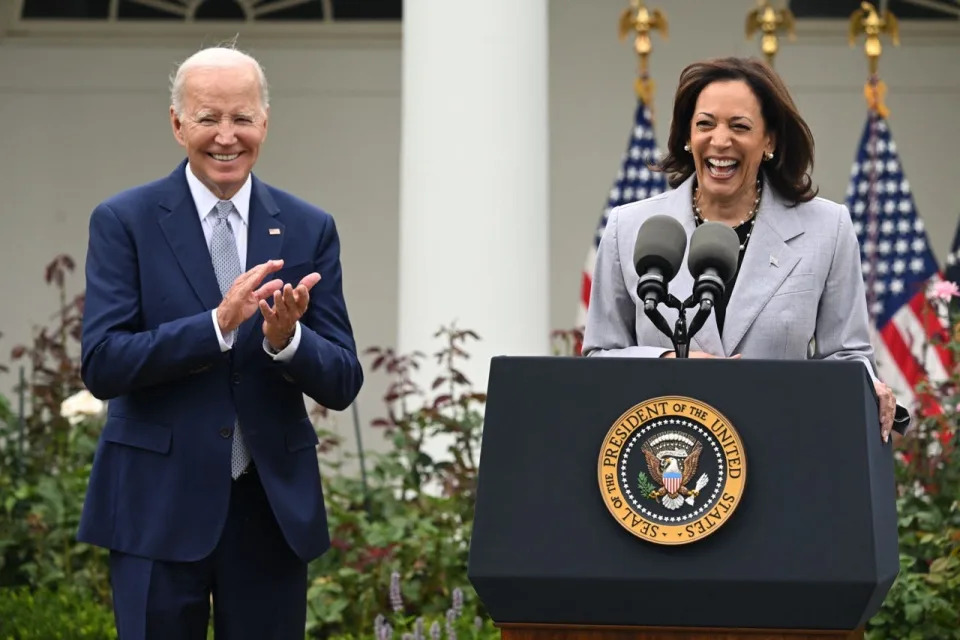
{"x":84,"y":117}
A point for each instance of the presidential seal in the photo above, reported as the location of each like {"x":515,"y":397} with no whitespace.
{"x":672,"y":470}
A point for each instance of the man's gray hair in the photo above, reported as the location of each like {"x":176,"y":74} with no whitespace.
{"x":219,"y":57}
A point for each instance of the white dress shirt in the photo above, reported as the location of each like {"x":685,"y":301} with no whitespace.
{"x":206,"y":203}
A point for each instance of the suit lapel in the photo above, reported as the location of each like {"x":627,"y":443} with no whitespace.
{"x":265,"y":235}
{"x":766,"y":264}
{"x":180,"y":224}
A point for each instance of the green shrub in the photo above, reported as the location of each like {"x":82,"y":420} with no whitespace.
{"x":924,"y":602}
{"x":47,"y":614}
{"x":414,"y":513}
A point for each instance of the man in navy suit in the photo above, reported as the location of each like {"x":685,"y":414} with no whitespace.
{"x":205,"y":483}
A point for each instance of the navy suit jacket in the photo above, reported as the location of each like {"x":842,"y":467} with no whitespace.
{"x":160,"y":483}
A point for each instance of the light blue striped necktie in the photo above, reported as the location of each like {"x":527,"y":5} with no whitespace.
{"x":226,"y":264}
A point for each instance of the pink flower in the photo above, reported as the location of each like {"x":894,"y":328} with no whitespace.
{"x":944,"y":290}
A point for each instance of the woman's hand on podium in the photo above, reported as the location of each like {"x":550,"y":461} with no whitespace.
{"x":887,"y":403}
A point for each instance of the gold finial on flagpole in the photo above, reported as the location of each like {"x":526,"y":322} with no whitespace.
{"x":641,"y":21}
{"x":770,"y":21}
{"x":869,"y":21}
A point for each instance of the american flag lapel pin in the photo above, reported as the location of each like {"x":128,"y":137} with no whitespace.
{"x":274,"y":231}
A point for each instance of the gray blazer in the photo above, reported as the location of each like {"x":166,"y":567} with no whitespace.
{"x":799,"y":293}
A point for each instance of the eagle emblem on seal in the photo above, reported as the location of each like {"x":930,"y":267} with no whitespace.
{"x":672,"y":459}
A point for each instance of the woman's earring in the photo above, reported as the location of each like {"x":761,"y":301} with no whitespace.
{"x":686,"y":148}
{"x":768,"y":155}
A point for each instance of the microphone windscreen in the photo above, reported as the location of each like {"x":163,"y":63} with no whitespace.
{"x":714,"y":245}
{"x":660,"y":243}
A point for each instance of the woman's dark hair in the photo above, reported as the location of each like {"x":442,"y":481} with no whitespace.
{"x":788,"y":172}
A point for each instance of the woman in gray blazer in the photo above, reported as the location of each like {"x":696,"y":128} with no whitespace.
{"x":740,"y":153}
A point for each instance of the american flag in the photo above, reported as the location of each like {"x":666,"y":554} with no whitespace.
{"x":898,"y":265}
{"x":635,"y":181}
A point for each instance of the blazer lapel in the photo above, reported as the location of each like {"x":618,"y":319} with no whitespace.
{"x":265,"y":235}
{"x":766,"y":264}
{"x":180,"y":224}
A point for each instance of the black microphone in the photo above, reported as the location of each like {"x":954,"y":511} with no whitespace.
{"x":657,"y":256}
{"x":714,"y":250}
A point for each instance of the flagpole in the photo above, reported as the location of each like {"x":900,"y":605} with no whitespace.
{"x":642,"y":22}
{"x":635,"y":180}
{"x":867,"y":20}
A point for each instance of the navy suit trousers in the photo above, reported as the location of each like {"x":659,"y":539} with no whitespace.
{"x":258,"y":585}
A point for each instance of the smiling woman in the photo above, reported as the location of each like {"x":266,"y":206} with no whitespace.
{"x":736,"y":114}
{"x":740,"y":154}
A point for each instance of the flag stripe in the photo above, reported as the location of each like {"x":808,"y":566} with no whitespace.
{"x":586,"y":279}
{"x":887,"y":368}
{"x":898,"y":349}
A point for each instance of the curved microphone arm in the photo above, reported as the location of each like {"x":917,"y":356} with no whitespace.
{"x":650,"y":308}
{"x":679,"y":335}
{"x":702,"y":313}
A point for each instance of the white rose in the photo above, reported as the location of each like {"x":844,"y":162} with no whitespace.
{"x":79,"y":406}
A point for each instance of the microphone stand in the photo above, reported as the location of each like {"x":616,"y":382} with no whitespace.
{"x":680,"y":335}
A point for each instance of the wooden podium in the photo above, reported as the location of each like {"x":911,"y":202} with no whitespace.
{"x":809,"y":552}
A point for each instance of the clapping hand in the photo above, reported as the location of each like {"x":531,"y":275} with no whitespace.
{"x":289,"y":305}
{"x":244,"y":295}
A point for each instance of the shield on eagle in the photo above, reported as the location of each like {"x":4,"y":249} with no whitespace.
{"x":671,"y":481}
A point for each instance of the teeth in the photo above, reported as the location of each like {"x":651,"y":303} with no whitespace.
{"x":225,"y":158}
{"x":722,"y":163}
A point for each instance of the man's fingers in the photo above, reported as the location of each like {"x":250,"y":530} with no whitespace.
{"x":288,"y":297}
{"x":302,"y":296}
{"x":267,"y":289}
{"x":251,"y":278}
{"x":309,"y":280}
{"x":270,"y":266}
{"x":268,"y":314}
{"x":281,"y":306}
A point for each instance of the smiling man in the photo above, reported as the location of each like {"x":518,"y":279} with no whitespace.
{"x":214,"y":302}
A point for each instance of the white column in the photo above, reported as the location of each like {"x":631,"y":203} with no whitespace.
{"x":473,"y":185}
